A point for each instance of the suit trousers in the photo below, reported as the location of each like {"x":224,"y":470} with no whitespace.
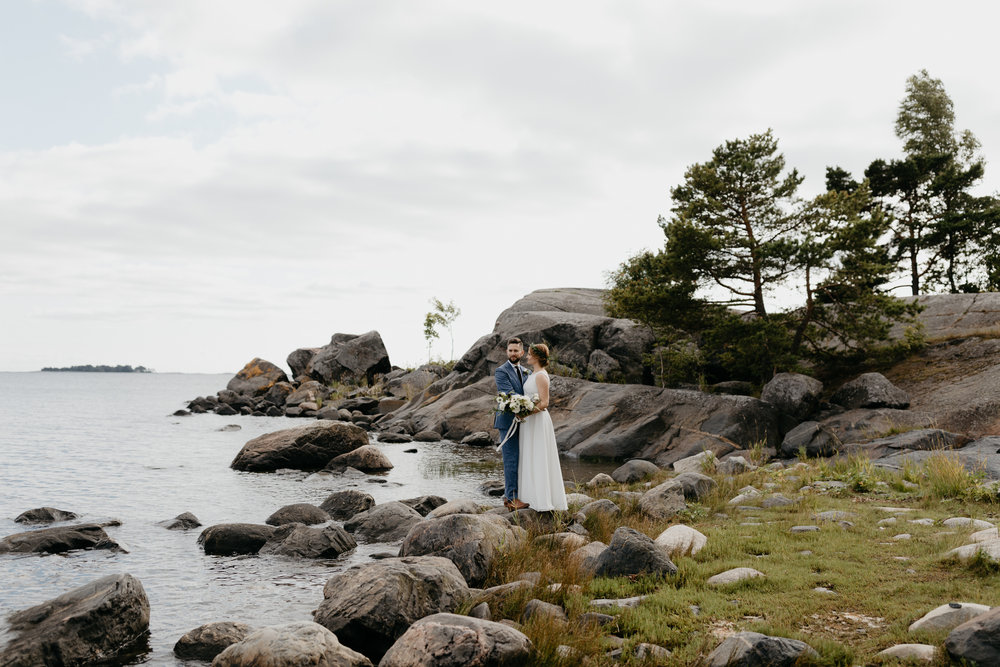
{"x":511,"y":455}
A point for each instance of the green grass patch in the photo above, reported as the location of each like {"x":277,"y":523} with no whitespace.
{"x":874,"y":585}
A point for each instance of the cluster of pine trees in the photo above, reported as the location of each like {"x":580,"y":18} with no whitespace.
{"x":738,"y":231}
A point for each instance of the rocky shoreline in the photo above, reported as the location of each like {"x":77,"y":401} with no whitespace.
{"x":449,"y":588}
{"x":434,"y":597}
{"x":602,"y":411}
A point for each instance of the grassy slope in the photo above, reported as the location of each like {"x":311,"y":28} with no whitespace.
{"x":880,"y":584}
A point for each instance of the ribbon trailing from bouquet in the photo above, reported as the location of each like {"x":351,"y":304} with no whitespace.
{"x":510,"y":433}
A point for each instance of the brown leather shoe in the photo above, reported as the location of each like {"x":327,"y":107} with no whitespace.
{"x":518,"y":505}
{"x":509,"y":505}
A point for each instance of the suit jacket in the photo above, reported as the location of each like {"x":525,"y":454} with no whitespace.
{"x":507,"y":382}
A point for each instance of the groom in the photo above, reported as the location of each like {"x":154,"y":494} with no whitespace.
{"x":510,"y":379}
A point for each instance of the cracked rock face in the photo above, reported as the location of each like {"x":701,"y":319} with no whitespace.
{"x":370,"y":606}
{"x":87,"y":624}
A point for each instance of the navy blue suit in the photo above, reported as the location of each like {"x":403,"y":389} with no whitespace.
{"x":507,"y":382}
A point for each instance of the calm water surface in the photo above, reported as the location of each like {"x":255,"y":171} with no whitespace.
{"x":104,"y":446}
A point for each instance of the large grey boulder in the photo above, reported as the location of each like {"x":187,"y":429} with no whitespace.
{"x":449,"y":640}
{"x":298,"y":643}
{"x":457,"y":506}
{"x":681,"y":540}
{"x":301,"y":541}
{"x":367,"y":458}
{"x":871,"y":390}
{"x":209,"y":640}
{"x":976,"y":641}
{"x":413,"y":383}
{"x":752,"y":649}
{"x":370,"y":606}
{"x":58,"y":540}
{"x":343,"y":505}
{"x":573,"y":322}
{"x":960,"y":391}
{"x":663,"y":501}
{"x":794,"y":394}
{"x":388,"y":522}
{"x":948,"y":616}
{"x":299,"y":359}
{"x":298,"y":513}
{"x":93,"y":622}
{"x":44,"y":515}
{"x":923,"y":439}
{"x":256,"y":378}
{"x":304,"y":448}
{"x":471,"y":541}
{"x":629,"y":553}
{"x":597,"y":419}
{"x":347,"y":358}
{"x":227,"y":539}
{"x":829,"y":436}
{"x":982,"y":455}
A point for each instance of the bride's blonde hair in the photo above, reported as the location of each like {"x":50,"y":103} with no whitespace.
{"x":540,"y":351}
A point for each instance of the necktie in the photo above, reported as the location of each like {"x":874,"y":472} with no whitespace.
{"x":520,"y":378}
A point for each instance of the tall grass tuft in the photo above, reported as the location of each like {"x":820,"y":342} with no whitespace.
{"x":947,"y":477}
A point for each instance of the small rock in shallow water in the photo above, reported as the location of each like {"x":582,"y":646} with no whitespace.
{"x":184,"y":521}
{"x":209,"y":640}
{"x":45,"y":515}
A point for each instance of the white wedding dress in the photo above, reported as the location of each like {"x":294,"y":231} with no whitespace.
{"x":539,"y":477}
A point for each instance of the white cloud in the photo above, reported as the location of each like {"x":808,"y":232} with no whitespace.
{"x":295,"y":169}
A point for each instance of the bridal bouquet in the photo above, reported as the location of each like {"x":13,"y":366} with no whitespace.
{"x":520,"y":405}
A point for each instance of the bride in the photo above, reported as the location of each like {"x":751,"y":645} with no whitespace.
{"x":539,"y":477}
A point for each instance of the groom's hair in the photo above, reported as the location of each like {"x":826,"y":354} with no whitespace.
{"x":515,"y":341}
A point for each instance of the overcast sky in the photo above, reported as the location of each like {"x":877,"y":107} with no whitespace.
{"x":189,"y":184}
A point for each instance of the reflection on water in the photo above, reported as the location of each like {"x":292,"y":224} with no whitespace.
{"x":101,"y":445}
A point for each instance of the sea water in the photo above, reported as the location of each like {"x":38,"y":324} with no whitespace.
{"x":105,"y":445}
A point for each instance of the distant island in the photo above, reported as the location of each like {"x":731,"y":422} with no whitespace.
{"x":99,"y":369}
